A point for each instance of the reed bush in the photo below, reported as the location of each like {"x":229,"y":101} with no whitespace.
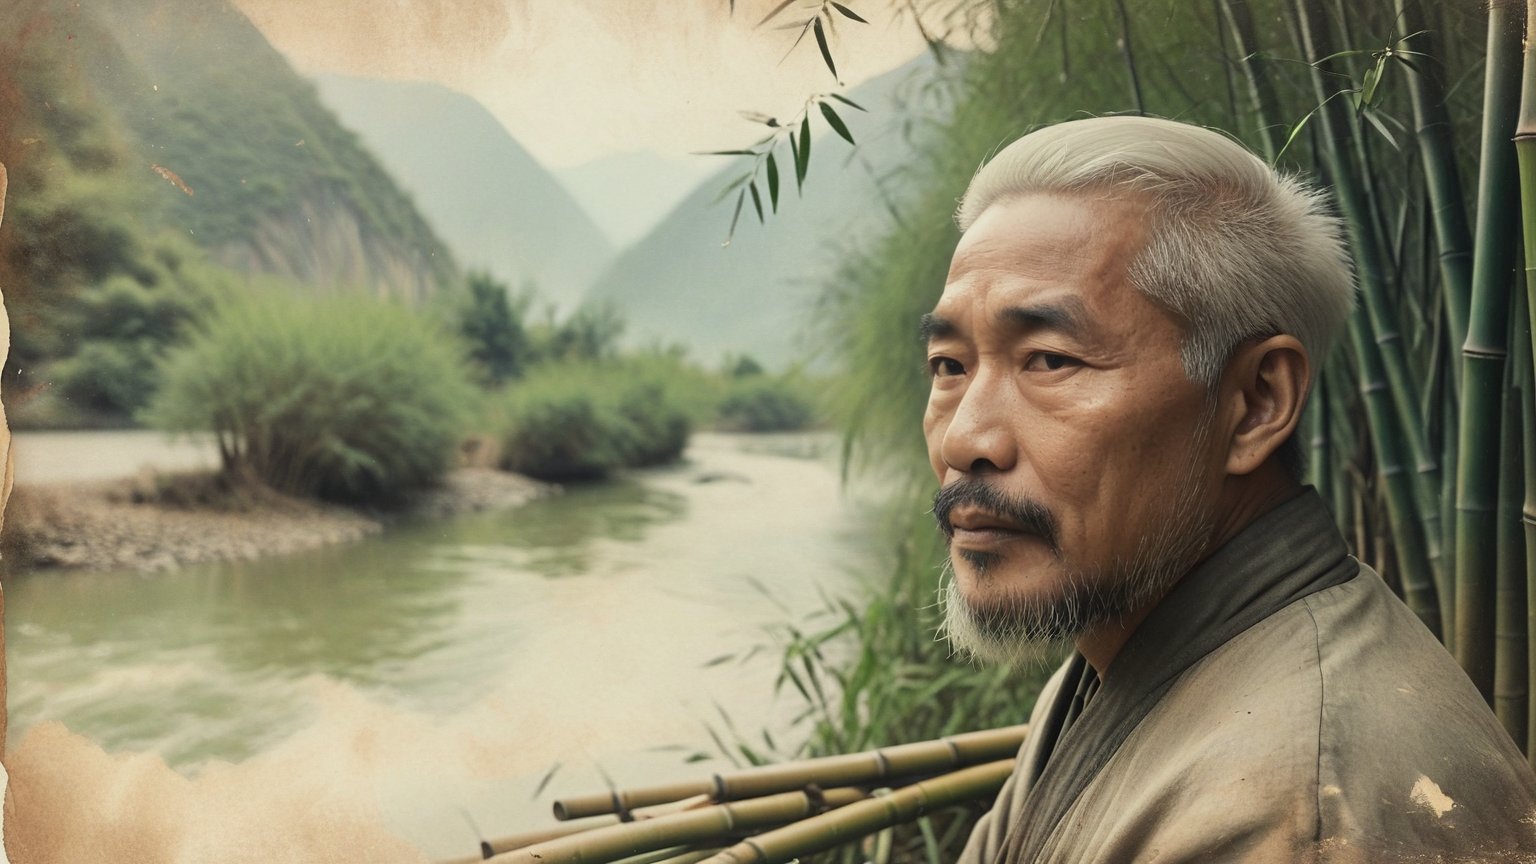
{"x":346,"y":398}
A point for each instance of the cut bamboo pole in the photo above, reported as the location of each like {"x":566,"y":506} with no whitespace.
{"x":688,"y":828}
{"x":1483,"y":355}
{"x":867,"y":817}
{"x":874,"y":767}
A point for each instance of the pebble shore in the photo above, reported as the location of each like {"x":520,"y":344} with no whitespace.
{"x":114,"y":525}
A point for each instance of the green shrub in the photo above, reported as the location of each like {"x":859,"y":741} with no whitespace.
{"x":579,"y":421}
{"x":346,"y":398}
{"x":762,"y":404}
{"x":109,"y":376}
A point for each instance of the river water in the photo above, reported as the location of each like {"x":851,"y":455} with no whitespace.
{"x":433,"y":676}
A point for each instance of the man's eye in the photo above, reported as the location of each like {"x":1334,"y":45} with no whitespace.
{"x":1045,"y":361}
{"x":944,"y":367}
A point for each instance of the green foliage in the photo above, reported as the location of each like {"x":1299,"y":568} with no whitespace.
{"x":491,"y":325}
{"x":109,"y":377}
{"x":758,"y":403}
{"x":582,"y":420}
{"x":346,"y":398}
{"x":591,"y":333}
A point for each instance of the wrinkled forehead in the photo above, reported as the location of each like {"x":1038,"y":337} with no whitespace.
{"x":1083,"y":245}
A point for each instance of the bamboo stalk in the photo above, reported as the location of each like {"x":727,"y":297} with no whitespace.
{"x":852,"y":769}
{"x":1354,"y":201}
{"x":1510,"y":693}
{"x":1483,"y":354}
{"x":680,"y":829}
{"x":1261,"y":88}
{"x":866,"y":817}
{"x":1437,"y":151}
{"x":1525,"y":356}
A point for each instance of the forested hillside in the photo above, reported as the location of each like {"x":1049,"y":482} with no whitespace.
{"x":158,"y":149}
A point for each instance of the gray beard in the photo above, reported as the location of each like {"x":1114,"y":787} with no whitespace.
{"x":1021,"y":630}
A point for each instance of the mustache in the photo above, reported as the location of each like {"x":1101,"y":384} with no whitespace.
{"x":1026,"y":514}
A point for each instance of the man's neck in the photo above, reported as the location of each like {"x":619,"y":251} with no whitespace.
{"x":1242,"y":500}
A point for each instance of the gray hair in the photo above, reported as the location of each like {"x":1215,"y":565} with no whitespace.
{"x":1234,"y":249}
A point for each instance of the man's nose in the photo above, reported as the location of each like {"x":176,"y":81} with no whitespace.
{"x":980,"y":435}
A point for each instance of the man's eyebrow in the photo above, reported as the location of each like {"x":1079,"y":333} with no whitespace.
{"x":1065,"y":316}
{"x":932,"y":326}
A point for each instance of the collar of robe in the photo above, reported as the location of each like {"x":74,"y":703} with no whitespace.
{"x":1288,"y":553}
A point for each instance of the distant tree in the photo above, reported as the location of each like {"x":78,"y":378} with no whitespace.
{"x":493,"y":326}
{"x":590,"y":333}
{"x":744,"y":366}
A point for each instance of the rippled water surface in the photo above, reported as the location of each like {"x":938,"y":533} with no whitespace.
{"x":445,"y":667}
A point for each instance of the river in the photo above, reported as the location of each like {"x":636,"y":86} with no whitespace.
{"x":436,"y":674}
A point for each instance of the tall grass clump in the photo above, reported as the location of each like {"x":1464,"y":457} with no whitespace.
{"x":346,"y":398}
{"x":583,"y":420}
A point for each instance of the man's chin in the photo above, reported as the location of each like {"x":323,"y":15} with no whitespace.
{"x":1014,"y":632}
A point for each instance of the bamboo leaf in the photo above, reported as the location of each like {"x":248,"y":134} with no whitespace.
{"x":735,"y":217}
{"x":729,"y":188}
{"x":848,"y":13}
{"x":716,"y":661}
{"x":803,"y":152}
{"x":821,"y":42}
{"x":776,"y":10}
{"x":836,"y":122}
{"x":724,"y":153}
{"x":849,"y":102}
{"x":757,"y":201}
{"x":773,"y":182}
{"x":544,"y":781}
{"x":1368,"y":85}
{"x":1375,"y":120}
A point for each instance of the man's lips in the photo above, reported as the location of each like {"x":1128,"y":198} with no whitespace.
{"x":973,"y":525}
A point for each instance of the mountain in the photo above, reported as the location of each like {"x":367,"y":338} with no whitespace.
{"x":492,"y":202}
{"x":255,"y":169}
{"x":680,"y":284}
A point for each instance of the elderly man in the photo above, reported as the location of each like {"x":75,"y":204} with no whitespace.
{"x":1132,"y":321}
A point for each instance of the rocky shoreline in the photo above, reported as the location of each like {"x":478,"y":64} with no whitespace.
{"x":159,"y":522}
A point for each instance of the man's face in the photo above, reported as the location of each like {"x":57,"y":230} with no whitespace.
{"x":1070,"y":445}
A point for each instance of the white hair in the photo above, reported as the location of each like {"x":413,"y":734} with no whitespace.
{"x":1234,"y":249}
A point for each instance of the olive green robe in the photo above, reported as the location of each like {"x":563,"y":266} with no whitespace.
{"x":1280,"y":704}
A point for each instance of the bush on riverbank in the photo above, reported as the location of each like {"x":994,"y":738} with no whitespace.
{"x":759,"y":403}
{"x":345,"y":398}
{"x":582,"y":420}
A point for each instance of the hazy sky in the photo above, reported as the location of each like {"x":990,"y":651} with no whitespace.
{"x":574,"y":80}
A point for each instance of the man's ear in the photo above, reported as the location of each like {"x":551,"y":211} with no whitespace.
{"x":1268,"y":380}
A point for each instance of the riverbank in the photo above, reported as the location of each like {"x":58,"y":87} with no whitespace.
{"x":161,"y":521}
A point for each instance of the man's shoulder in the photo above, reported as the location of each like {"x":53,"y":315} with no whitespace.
{"x":1341,"y":718}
